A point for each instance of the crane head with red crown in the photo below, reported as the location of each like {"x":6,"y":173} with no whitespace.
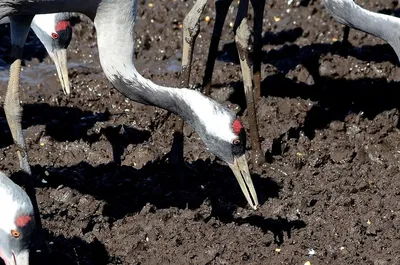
{"x":17,"y":223}
{"x":239,"y":166}
{"x":224,"y":135}
{"x":55,"y":32}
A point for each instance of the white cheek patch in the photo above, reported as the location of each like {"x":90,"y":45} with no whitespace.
{"x":8,"y":212}
{"x":45,"y":22}
{"x":217,"y":121}
{"x":8,"y":206}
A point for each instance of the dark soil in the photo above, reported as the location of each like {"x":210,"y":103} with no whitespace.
{"x":328,"y":120}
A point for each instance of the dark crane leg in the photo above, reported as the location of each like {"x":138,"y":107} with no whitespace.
{"x":222,"y":7}
{"x":242,"y":39}
{"x":243,"y":10}
{"x":221,"y":10}
{"x":345,"y":45}
{"x":258,"y":7}
{"x":20,"y":26}
{"x":191,"y":29}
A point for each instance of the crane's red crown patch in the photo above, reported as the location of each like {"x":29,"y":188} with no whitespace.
{"x":63,"y":25}
{"x":237,"y":126}
{"x":23,"y":220}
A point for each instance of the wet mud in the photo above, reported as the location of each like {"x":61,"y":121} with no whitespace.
{"x":329,"y":127}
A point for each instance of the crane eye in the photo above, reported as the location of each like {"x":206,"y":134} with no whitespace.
{"x":15,"y":233}
{"x":236,"y":142}
{"x":54,"y":35}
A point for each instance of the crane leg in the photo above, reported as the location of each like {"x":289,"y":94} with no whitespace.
{"x":345,"y":41}
{"x":191,"y":29}
{"x":20,"y":26}
{"x":258,"y":7}
{"x":242,"y":42}
{"x":241,"y":13}
{"x":221,"y":10}
{"x":19,"y":31}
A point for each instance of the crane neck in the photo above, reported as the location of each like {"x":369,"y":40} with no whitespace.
{"x":380,"y":25}
{"x":115,"y":24}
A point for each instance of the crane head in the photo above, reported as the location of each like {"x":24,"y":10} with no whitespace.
{"x":231,"y":149}
{"x":55,"y":32}
{"x":222,"y":133}
{"x":17,"y":223}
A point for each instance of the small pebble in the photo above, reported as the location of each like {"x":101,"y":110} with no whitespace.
{"x":151,"y":5}
{"x":277,"y":19}
{"x":207,"y":19}
{"x":307,"y":263}
{"x":278,"y":250}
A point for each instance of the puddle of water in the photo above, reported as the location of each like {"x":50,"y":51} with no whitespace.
{"x":174,"y":65}
{"x":33,"y":75}
{"x":44,"y":73}
{"x":37,"y":73}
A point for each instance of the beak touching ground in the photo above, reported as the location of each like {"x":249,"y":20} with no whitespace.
{"x":241,"y":171}
{"x":60,"y":60}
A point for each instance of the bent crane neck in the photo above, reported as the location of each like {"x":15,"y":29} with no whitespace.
{"x":115,"y":25}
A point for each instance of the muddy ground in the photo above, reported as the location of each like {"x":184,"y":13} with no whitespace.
{"x":329,"y":124}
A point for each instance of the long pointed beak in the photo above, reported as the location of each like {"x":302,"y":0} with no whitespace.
{"x":60,"y":60}
{"x":241,"y":171}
